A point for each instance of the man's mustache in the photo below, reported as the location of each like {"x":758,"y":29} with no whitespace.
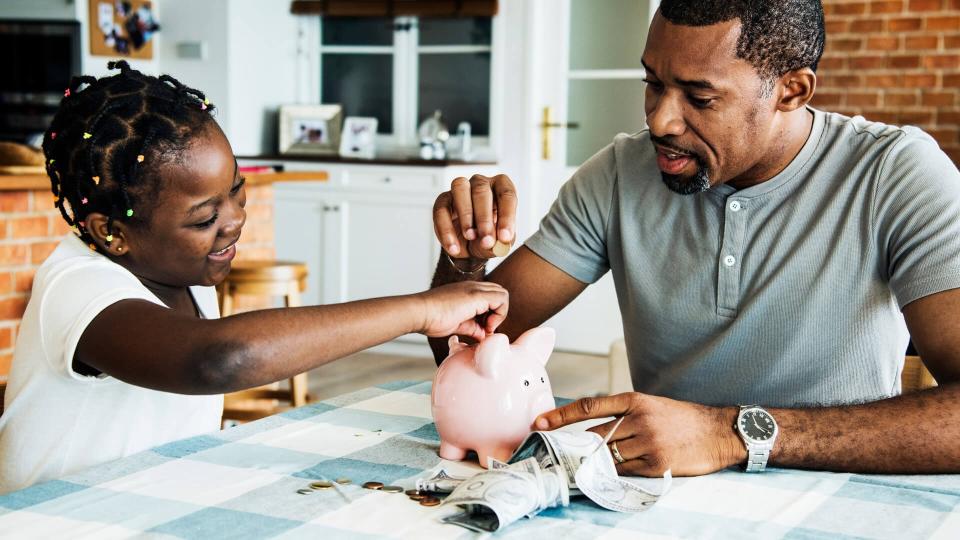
{"x":662,"y":141}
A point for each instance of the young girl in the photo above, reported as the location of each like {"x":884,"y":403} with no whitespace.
{"x":121,"y":348}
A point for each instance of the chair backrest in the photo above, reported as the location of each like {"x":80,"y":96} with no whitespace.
{"x":915,"y":375}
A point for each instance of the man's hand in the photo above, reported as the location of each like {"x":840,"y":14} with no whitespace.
{"x":474,"y":215}
{"x":658,"y":433}
{"x":456,"y":309}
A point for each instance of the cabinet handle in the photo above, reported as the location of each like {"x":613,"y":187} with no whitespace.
{"x":387,"y":179}
{"x":326,"y":208}
{"x":336,"y":208}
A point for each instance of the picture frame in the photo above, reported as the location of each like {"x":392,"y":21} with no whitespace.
{"x":359,"y":138}
{"x":122,"y":29}
{"x":310,"y":129}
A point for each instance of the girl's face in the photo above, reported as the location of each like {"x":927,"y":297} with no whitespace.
{"x":196,"y":220}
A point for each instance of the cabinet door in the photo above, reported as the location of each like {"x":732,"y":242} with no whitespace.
{"x":300,"y":230}
{"x":388,"y":247}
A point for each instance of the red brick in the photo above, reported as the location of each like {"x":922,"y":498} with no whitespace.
{"x":954,"y":154}
{"x":915,"y":118}
{"x":954,"y":4}
{"x":29,"y":227}
{"x":865,"y":26}
{"x":6,"y":283}
{"x":825,"y":99}
{"x":58,"y":227}
{"x":924,"y":5}
{"x":904,"y":24}
{"x":952,"y":81}
{"x":887,"y":6}
{"x":846,"y":45}
{"x":939,"y":99}
{"x":877,"y":115}
{"x":6,"y":338}
{"x":944,"y":136}
{"x":14,"y":254}
{"x":888,"y":80}
{"x":14,"y":201}
{"x":839,"y":81}
{"x":919,"y":80}
{"x":863,"y":99}
{"x":947,"y":61}
{"x":951,"y":42}
{"x":12,"y":308}
{"x":857,"y":8}
{"x":948,"y":117}
{"x":883,"y":43}
{"x":903,"y":62}
{"x":23,"y":280}
{"x":5,"y":360}
{"x":835,"y":27}
{"x":868,"y":62}
{"x":39,"y":251}
{"x":900,"y":99}
{"x":921,"y":43}
{"x":833,"y":62}
{"x":943,"y":23}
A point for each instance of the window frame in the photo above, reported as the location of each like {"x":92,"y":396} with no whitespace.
{"x":406,"y":52}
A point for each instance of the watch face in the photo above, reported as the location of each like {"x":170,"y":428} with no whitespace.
{"x":757,"y":424}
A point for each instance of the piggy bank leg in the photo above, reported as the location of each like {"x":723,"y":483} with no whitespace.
{"x":497,"y":453}
{"x":451,"y":452}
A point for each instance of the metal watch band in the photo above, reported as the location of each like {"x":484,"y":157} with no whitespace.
{"x":757,"y":456}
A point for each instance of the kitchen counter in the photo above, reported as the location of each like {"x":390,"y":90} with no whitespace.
{"x":386,"y":159}
{"x":41,"y":182}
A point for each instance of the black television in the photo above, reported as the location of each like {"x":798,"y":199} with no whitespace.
{"x":37,"y":61}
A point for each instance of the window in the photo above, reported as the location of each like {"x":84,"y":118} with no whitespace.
{"x":400,"y":70}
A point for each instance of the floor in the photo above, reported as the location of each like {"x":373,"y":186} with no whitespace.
{"x":571,"y":375}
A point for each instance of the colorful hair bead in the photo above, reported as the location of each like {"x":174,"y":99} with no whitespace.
{"x":52,"y":161}
{"x":53,"y":135}
{"x":96,"y":180}
{"x":92,"y":247}
{"x":140,"y":158}
{"x":86,"y":135}
{"x":109,"y":238}
{"x":129,"y":212}
{"x":83,"y":200}
{"x":66,"y":93}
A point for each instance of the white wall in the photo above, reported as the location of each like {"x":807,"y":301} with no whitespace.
{"x":37,"y":9}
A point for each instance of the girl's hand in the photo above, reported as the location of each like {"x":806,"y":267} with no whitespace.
{"x":468,"y":308}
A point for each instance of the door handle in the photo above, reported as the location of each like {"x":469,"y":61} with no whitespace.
{"x":546,"y":125}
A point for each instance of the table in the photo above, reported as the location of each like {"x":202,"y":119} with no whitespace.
{"x":242,"y":483}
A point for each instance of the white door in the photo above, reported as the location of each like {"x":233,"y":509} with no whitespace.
{"x":309,"y":231}
{"x":586,"y":86}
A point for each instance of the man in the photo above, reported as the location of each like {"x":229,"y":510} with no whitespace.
{"x":779,"y":257}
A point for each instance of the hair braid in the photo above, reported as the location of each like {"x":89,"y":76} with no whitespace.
{"x":109,"y":137}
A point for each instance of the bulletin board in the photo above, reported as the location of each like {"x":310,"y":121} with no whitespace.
{"x":123,"y":28}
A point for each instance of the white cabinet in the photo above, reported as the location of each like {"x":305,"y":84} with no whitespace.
{"x":366,"y":232}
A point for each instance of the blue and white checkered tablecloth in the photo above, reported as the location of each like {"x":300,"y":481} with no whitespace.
{"x":242,"y":483}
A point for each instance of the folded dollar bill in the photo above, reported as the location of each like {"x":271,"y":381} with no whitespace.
{"x":545,"y":471}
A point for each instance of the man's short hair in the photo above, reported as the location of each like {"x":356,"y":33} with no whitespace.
{"x":777,"y":36}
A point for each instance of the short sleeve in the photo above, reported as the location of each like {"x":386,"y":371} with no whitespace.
{"x":573,"y":235}
{"x":72,"y":294}
{"x":918,"y":218}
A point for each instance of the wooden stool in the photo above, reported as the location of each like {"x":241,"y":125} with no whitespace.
{"x":264,"y":278}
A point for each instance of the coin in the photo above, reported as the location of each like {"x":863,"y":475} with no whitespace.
{"x":412,"y":492}
{"x":429,"y":501}
{"x":417,"y":497}
{"x":322,"y":484}
{"x":304,"y":491}
{"x":344,"y":481}
{"x":500,"y":249}
{"x":392,"y":489}
{"x":373,"y":485}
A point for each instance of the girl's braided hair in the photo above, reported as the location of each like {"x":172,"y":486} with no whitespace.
{"x":108,"y":138}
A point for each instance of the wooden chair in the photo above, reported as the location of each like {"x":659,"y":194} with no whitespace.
{"x":271,"y":279}
{"x":915,"y":375}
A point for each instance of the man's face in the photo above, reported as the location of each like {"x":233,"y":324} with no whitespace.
{"x":196,"y":219}
{"x":708,"y":116}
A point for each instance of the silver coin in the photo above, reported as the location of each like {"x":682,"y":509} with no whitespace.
{"x":392,"y":489}
{"x":305,"y":491}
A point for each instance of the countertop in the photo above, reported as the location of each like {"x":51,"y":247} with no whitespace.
{"x":386,"y":159}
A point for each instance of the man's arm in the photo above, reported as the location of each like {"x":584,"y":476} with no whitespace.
{"x":915,"y":433}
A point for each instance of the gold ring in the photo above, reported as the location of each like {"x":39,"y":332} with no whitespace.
{"x":616,"y":453}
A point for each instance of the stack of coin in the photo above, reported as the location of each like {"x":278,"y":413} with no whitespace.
{"x":425,"y":498}
{"x":373,"y":485}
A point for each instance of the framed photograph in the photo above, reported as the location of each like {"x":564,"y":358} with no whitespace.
{"x":310,"y":129}
{"x":359,"y":137}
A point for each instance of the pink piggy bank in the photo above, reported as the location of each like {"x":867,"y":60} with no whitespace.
{"x":486,"y":396}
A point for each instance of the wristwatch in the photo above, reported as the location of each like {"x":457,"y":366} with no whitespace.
{"x":759,"y":430}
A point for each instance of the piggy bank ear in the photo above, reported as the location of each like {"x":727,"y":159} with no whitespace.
{"x":455,"y":346}
{"x":538,"y":342}
{"x":491,"y":354}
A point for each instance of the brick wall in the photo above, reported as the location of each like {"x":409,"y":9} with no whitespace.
{"x":895,"y":61}
{"x":30,"y":228}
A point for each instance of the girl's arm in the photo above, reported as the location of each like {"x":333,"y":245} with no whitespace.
{"x":151,"y":346}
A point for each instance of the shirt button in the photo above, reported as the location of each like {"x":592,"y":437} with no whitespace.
{"x":735,"y":206}
{"x":729,"y":260}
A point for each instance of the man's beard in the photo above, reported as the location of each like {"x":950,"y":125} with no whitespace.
{"x":698,"y":184}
